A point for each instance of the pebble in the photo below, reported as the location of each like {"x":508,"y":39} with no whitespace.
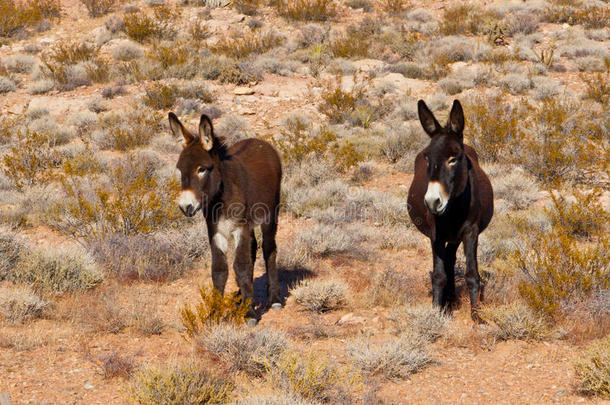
{"x":276,"y":307}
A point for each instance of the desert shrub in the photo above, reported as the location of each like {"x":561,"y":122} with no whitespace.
{"x":402,"y":142}
{"x":142,"y":257}
{"x":556,"y":142}
{"x":20,"y":304}
{"x":163,"y":96}
{"x":390,"y":287}
{"x":582,"y":217}
{"x":98,"y":8}
{"x":250,"y":43}
{"x":7,"y":85}
{"x":590,"y":17}
{"x":126,"y":50}
{"x":517,"y":188}
{"x":72,"y":52}
{"x":273,"y":399}
{"x":461,"y":19}
{"x":19,"y":63}
{"x":141,"y":27}
{"x":252,"y":351}
{"x":305,"y":10}
{"x":365,"y":5}
{"x":394,"y":6}
{"x":11,"y":248}
{"x":338,"y":104}
{"x":558,"y":269}
{"x":354,"y":42}
{"x":98,"y":311}
{"x":493,"y":125}
{"x":189,"y":383}
{"x":115,"y":364}
{"x":321,"y":295}
{"x":30,"y":159}
{"x":424,"y":321}
{"x":516,"y":321}
{"x":131,"y":201}
{"x":14,"y":15}
{"x":593,"y":369}
{"x":213,"y":308}
{"x":307,"y":376}
{"x":597,"y":88}
{"x":321,"y":240}
{"x":135,"y":129}
{"x":56,"y":271}
{"x":394,"y":358}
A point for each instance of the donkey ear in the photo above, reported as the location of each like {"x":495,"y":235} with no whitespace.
{"x":456,"y":118}
{"x":178,"y":129}
{"x":428,"y":122}
{"x":206,"y":132}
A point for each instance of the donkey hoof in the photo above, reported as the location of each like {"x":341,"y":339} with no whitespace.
{"x":276,"y":306}
{"x":251,"y":322}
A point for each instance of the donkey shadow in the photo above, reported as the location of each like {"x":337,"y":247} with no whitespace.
{"x":289,"y":277}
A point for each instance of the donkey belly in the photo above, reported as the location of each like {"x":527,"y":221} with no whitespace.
{"x":225,"y":228}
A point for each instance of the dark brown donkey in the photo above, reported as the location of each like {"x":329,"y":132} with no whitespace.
{"x":237,"y":189}
{"x":450,"y":201}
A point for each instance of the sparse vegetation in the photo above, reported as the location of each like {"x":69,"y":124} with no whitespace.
{"x":593,"y":369}
{"x":252,"y":351}
{"x":321,"y":295}
{"x":305,"y":10}
{"x":98,"y":8}
{"x":188,"y":383}
{"x":19,"y":304}
{"x":517,"y":321}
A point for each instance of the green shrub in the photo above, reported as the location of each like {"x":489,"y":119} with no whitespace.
{"x":213,"y":308}
{"x":593,"y":369}
{"x":189,"y":383}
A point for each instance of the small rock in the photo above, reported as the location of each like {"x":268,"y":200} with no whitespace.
{"x":351,"y":318}
{"x":276,"y":306}
{"x":243,"y":91}
{"x":88,"y":385}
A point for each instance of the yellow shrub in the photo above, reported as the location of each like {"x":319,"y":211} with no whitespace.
{"x":213,"y":308}
{"x":15,"y":15}
{"x":585,"y":217}
{"x":593,"y":369}
{"x":305,"y":10}
{"x":132,"y":201}
{"x":249,"y":43}
{"x":336,"y":103}
{"x":29,"y":161}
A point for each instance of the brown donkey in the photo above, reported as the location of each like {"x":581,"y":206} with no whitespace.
{"x":450,"y":201}
{"x":237,"y":189}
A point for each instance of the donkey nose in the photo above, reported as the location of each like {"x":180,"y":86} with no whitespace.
{"x":433,"y":204}
{"x":188,"y":210}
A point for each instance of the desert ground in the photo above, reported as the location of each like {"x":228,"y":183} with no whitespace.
{"x":100,"y":272}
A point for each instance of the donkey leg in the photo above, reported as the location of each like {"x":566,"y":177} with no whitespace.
{"x":438,"y":276}
{"x":242,"y":265}
{"x":270,"y":252}
{"x":449,"y":290}
{"x":253,"y":246}
{"x":220,"y":269}
{"x":473,"y":279}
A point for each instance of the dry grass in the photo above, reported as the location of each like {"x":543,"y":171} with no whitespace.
{"x":97,"y":8}
{"x":18,"y":15}
{"x":424,"y":321}
{"x":115,"y":364}
{"x":250,"y":43}
{"x":305,"y":10}
{"x":321,"y":295}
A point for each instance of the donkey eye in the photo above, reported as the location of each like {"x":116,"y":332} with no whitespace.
{"x":201,"y":170}
{"x":452,"y":160}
